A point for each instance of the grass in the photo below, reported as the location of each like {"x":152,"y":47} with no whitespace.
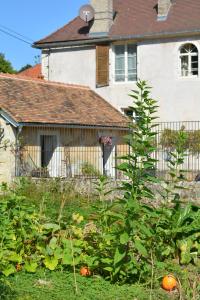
{"x":52,"y":198}
{"x":60,"y":286}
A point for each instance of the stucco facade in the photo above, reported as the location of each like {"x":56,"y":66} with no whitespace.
{"x":7,"y":157}
{"x":157,"y":62}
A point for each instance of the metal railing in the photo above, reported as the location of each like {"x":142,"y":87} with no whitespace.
{"x":88,"y":152}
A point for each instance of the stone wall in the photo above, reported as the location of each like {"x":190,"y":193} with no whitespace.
{"x":86,"y":187}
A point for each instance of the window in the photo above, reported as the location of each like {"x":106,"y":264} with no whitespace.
{"x":189,"y":61}
{"x":128,"y":112}
{"x":125,"y":63}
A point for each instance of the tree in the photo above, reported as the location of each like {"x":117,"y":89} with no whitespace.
{"x":5,"y":65}
{"x":27,"y":66}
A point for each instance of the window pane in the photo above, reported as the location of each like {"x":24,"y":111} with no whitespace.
{"x":184,"y":66}
{"x":132,"y":63}
{"x":193,"y":49}
{"x":120,"y":63}
{"x":194,"y":65}
{"x":189,"y":48}
{"x":189,"y":60}
{"x":128,"y":113}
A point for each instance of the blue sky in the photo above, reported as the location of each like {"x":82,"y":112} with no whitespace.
{"x":34,"y":19}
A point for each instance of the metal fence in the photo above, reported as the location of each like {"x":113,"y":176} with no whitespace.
{"x":167,"y":141}
{"x":70,"y":152}
{"x":88,"y":152}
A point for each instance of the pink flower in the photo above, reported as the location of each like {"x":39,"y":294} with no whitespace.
{"x":106,"y":140}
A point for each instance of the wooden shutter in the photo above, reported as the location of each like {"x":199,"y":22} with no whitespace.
{"x":102,"y":65}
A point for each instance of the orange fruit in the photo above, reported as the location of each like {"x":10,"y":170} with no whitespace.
{"x":169,"y":283}
{"x":85,"y":271}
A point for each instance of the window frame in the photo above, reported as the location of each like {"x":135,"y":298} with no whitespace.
{"x":126,"y":81}
{"x":189,"y":55}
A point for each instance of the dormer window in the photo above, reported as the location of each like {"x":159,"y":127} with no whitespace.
{"x":189,"y":61}
{"x":125,"y":63}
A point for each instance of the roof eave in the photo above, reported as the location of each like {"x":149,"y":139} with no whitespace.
{"x":137,"y":37}
{"x":8,"y":118}
{"x":113,"y":126}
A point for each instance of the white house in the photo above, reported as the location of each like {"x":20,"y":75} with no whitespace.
{"x":154,"y":40}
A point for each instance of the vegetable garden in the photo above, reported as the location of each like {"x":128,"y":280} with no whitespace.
{"x":48,"y":235}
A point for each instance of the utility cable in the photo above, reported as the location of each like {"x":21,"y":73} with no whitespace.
{"x":16,"y":37}
{"x":16,"y":33}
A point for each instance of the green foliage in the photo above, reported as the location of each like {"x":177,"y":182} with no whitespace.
{"x":28,"y":241}
{"x":129,"y":236}
{"x":27,"y":66}
{"x":177,"y":233}
{"x":5,"y":65}
{"x":54,"y":196}
{"x":169,"y":140}
{"x":175,"y":167}
{"x":139,"y":165}
{"x":125,"y":236}
{"x":88,"y":169}
{"x":124,"y":241}
{"x":101,"y":187}
{"x":59,"y":286}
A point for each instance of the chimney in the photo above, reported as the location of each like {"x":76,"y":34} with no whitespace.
{"x":163,"y":9}
{"x":103,"y":17}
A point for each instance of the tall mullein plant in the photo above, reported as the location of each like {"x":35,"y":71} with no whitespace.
{"x":175,"y":165}
{"x":139,"y":164}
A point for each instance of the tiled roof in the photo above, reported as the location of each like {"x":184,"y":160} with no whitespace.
{"x":33,"y":72}
{"x":39,"y":101}
{"x":136,"y":18}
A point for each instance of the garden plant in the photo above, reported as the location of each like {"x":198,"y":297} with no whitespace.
{"x":123,"y":242}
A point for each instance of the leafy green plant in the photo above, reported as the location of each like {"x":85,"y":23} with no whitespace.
{"x":139,"y":165}
{"x":88,"y":169}
{"x":130,"y":237}
{"x":102,"y":188}
{"x":125,"y":240}
{"x":176,"y":172}
{"x":124,"y":237}
{"x":170,"y":137}
{"x":28,"y":241}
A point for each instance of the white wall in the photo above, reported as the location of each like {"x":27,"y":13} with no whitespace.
{"x":179,"y":98}
{"x":158,"y":63}
{"x":70,"y":66}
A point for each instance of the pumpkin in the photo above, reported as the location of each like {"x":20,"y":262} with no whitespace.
{"x":85,"y":271}
{"x":169,"y":283}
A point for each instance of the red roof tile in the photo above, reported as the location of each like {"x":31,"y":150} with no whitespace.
{"x":136,"y":18}
{"x":39,"y":101}
{"x":33,"y":72}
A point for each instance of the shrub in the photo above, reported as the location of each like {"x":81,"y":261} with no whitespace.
{"x":88,"y":169}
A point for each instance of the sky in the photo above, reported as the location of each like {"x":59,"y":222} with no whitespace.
{"x":34,"y":19}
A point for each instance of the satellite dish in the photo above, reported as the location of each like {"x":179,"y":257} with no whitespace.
{"x":86,"y":13}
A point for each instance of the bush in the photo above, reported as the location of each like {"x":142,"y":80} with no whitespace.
{"x":89,"y":170}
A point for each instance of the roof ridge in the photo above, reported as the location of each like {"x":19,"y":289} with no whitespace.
{"x":42,"y":81}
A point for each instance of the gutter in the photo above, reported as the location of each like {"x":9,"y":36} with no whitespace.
{"x":77,"y":126}
{"x":138,"y":37}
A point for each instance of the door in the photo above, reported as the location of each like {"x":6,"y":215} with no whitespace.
{"x":50,"y":156}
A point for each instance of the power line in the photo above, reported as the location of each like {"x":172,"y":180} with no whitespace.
{"x":16,"y":33}
{"x":16,"y":37}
